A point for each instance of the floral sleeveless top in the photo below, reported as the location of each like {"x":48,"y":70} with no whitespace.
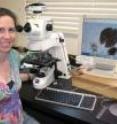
{"x":10,"y":104}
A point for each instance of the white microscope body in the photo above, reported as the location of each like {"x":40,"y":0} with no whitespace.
{"x":41,"y":38}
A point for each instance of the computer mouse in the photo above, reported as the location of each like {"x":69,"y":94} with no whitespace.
{"x":113,"y":109}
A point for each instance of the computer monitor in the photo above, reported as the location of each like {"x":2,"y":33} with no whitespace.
{"x":98,"y":40}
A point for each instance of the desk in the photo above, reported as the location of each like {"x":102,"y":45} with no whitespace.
{"x":100,"y":85}
{"x":67,"y":114}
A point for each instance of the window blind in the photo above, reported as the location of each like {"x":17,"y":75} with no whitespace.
{"x":67,"y":14}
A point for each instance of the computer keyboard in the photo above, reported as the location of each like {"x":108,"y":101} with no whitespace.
{"x":67,"y":98}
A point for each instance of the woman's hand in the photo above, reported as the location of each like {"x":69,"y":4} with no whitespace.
{"x":26,"y":76}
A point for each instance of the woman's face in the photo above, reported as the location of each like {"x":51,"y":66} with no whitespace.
{"x":7,"y":33}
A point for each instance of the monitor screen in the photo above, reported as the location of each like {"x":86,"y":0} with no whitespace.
{"x":97,"y":46}
{"x":99,"y":38}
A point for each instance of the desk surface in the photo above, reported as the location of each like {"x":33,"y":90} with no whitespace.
{"x":68,"y":113}
{"x":96,"y":84}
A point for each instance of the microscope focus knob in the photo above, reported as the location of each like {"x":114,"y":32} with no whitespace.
{"x":27,"y":27}
{"x":37,"y":80}
{"x":19,"y":28}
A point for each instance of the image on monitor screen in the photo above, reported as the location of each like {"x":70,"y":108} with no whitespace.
{"x":99,"y":38}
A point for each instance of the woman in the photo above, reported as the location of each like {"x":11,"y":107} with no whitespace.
{"x":10,"y":79}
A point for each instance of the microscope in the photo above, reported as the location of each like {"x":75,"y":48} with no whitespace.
{"x":47,"y":49}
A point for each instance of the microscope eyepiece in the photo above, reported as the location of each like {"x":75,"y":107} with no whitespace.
{"x":19,"y":28}
{"x":27,"y":27}
{"x":49,"y":27}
